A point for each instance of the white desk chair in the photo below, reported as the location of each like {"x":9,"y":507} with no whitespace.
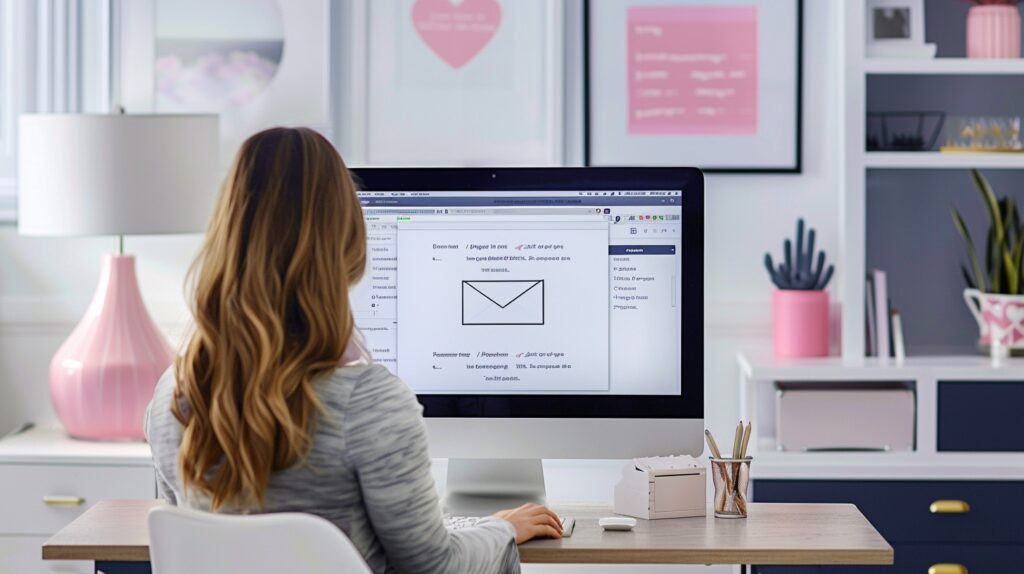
{"x":191,"y":542}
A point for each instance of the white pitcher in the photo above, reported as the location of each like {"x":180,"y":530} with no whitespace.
{"x":1000,"y":314}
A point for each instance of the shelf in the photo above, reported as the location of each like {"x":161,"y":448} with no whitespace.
{"x":51,"y":445}
{"x":943,"y":66}
{"x":887,"y":466}
{"x":940,"y":160}
{"x":958,"y":368}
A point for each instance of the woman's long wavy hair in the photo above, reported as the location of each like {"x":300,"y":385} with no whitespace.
{"x":272,"y":314}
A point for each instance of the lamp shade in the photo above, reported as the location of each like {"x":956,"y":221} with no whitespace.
{"x":116,"y":174}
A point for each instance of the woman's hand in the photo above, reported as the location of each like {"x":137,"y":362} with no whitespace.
{"x":532,"y":521}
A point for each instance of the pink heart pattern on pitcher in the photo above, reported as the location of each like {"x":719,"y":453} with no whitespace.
{"x":456,"y":30}
{"x":1004,"y":317}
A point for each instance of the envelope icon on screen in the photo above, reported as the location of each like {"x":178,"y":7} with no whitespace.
{"x":503,"y":302}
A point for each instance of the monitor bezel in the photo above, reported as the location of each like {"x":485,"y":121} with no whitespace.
{"x":689,"y":403}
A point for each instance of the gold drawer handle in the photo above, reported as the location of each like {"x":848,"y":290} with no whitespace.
{"x":947,"y":569}
{"x":949,"y":507}
{"x":63,"y":500}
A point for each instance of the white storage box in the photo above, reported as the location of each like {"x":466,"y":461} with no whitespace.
{"x":662,"y":487}
{"x":817,"y":417}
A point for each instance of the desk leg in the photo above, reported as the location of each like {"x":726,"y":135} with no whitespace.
{"x":123,"y":568}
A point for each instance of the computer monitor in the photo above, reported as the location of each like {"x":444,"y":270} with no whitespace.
{"x":539,"y":312}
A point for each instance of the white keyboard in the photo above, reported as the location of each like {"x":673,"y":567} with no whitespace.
{"x":460,"y":522}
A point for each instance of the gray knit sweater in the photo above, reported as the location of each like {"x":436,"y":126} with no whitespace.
{"x":368,"y":472}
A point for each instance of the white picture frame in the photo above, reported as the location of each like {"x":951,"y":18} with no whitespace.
{"x":709,"y":83}
{"x":895,"y":29}
{"x":299,"y":94}
{"x":419,"y":106}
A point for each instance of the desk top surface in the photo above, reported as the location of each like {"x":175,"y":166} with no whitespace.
{"x":115,"y":530}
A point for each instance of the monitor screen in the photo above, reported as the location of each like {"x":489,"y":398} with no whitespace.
{"x":537,"y":292}
{"x":498,"y":292}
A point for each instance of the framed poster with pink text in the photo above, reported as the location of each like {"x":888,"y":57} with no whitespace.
{"x":467,"y":82}
{"x":707,"y":83}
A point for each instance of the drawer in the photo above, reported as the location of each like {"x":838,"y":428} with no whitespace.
{"x":23,"y":489}
{"x":977,"y":559}
{"x":918,"y":558}
{"x":23,"y":555}
{"x":900,"y":509}
{"x":980,"y":416}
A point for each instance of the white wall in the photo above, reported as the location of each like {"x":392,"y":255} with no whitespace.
{"x":45,"y":284}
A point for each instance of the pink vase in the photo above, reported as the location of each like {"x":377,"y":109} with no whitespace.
{"x":800,"y":323}
{"x":993,"y":31}
{"x":103,"y":376}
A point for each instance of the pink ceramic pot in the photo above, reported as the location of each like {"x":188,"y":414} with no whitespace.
{"x":800,"y":323}
{"x":993,"y":31}
{"x":103,"y":376}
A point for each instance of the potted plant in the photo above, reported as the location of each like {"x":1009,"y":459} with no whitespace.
{"x":800,"y":304}
{"x":995,"y":284}
{"x":993,"y":29}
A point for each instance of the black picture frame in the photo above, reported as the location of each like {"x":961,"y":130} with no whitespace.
{"x":795,"y":168}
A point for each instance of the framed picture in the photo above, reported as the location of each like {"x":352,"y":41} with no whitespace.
{"x":709,"y":83}
{"x":256,"y":63}
{"x":438,"y":70}
{"x":895,"y":29}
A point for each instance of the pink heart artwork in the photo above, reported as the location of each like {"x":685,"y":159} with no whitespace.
{"x":456,"y":30}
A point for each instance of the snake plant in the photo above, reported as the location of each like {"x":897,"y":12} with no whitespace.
{"x":800,"y":274}
{"x":1004,"y":245}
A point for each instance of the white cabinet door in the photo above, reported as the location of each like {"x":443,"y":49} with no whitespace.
{"x":40,"y":499}
{"x":23,"y":555}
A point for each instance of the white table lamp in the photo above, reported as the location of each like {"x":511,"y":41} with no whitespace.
{"x":113,"y":175}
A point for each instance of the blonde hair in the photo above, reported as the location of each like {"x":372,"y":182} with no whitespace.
{"x":272,"y":314}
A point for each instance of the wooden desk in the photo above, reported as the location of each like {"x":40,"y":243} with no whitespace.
{"x":114,"y":535}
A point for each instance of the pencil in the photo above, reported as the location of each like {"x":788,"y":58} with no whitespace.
{"x":736,"y":440}
{"x":712,"y":444}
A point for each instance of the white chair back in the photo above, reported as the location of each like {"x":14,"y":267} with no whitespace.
{"x":192,"y":542}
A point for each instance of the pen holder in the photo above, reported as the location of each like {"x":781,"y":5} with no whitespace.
{"x":732,"y":486}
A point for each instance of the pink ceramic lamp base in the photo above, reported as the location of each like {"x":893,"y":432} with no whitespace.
{"x":102,"y":377}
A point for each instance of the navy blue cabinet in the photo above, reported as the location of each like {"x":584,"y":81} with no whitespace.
{"x":917,"y":558}
{"x":988,"y":538}
{"x":900,"y":509}
{"x":979,"y":416}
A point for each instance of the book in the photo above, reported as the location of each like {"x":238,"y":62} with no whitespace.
{"x":899,"y":347}
{"x":871,"y":335}
{"x":881,"y":313}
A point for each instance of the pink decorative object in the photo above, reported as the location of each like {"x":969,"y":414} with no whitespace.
{"x":999,"y":315}
{"x":800,"y":323}
{"x":692,"y":70}
{"x":102,"y":377}
{"x":456,"y":31}
{"x":993,"y":31}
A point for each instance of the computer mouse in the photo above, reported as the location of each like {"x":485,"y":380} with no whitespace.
{"x":619,"y":523}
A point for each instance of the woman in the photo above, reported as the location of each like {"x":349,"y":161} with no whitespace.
{"x":273,"y":407}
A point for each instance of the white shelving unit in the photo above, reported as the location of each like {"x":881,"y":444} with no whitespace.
{"x":759,"y":375}
{"x":853,"y":195}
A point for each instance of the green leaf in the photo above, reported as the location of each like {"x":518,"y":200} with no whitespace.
{"x":993,"y":264}
{"x":1014,"y":287}
{"x":992,"y":204}
{"x":967,"y":278}
{"x":979,"y":276}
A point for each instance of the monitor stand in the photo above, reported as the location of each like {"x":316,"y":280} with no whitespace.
{"x":481,"y":487}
